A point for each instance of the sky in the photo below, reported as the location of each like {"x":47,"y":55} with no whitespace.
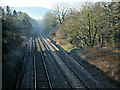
{"x":39,"y":3}
{"x":37,"y":12}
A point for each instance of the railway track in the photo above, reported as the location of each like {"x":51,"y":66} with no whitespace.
{"x":45,"y":70}
{"x":28,"y":75}
{"x":58,"y":80}
{"x":49,"y":66}
{"x":86,"y":78}
{"x":76,"y":75}
{"x":72,"y":79}
{"x":35,"y":75}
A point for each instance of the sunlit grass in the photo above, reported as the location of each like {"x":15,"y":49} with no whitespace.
{"x":69,"y":48}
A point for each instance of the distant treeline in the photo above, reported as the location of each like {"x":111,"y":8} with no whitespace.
{"x":91,"y":24}
{"x":16,"y":28}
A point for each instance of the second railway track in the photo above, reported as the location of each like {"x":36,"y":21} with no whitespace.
{"x":70,"y":76}
{"x":76,"y":75}
{"x":56,"y":77}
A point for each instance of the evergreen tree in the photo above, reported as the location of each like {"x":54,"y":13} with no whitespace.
{"x":14,"y":13}
{"x":8,"y":10}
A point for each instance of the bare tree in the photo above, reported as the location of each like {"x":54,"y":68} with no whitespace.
{"x":61,"y":9}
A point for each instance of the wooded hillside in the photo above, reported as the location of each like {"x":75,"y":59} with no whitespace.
{"x":92,"y":24}
{"x":16,"y":29}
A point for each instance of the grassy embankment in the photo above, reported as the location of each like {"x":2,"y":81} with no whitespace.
{"x":104,"y":59}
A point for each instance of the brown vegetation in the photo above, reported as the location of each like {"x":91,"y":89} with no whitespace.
{"x":105,"y":59}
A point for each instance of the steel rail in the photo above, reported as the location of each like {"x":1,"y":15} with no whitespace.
{"x":34,"y":65}
{"x":57,"y":65}
{"x":98,"y":85}
{"x":35,"y":79}
{"x":66,"y":74}
{"x":29,"y":61}
{"x":46,"y":70}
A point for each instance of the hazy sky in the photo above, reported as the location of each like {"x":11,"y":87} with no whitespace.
{"x":38,"y":3}
{"x":35,"y":12}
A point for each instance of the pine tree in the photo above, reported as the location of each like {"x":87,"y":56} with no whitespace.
{"x":14,"y":13}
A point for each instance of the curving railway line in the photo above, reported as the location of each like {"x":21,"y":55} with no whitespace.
{"x":49,"y":66}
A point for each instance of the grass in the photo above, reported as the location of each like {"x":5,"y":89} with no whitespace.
{"x":65,"y":45}
{"x":105,"y":59}
{"x":69,"y":48}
